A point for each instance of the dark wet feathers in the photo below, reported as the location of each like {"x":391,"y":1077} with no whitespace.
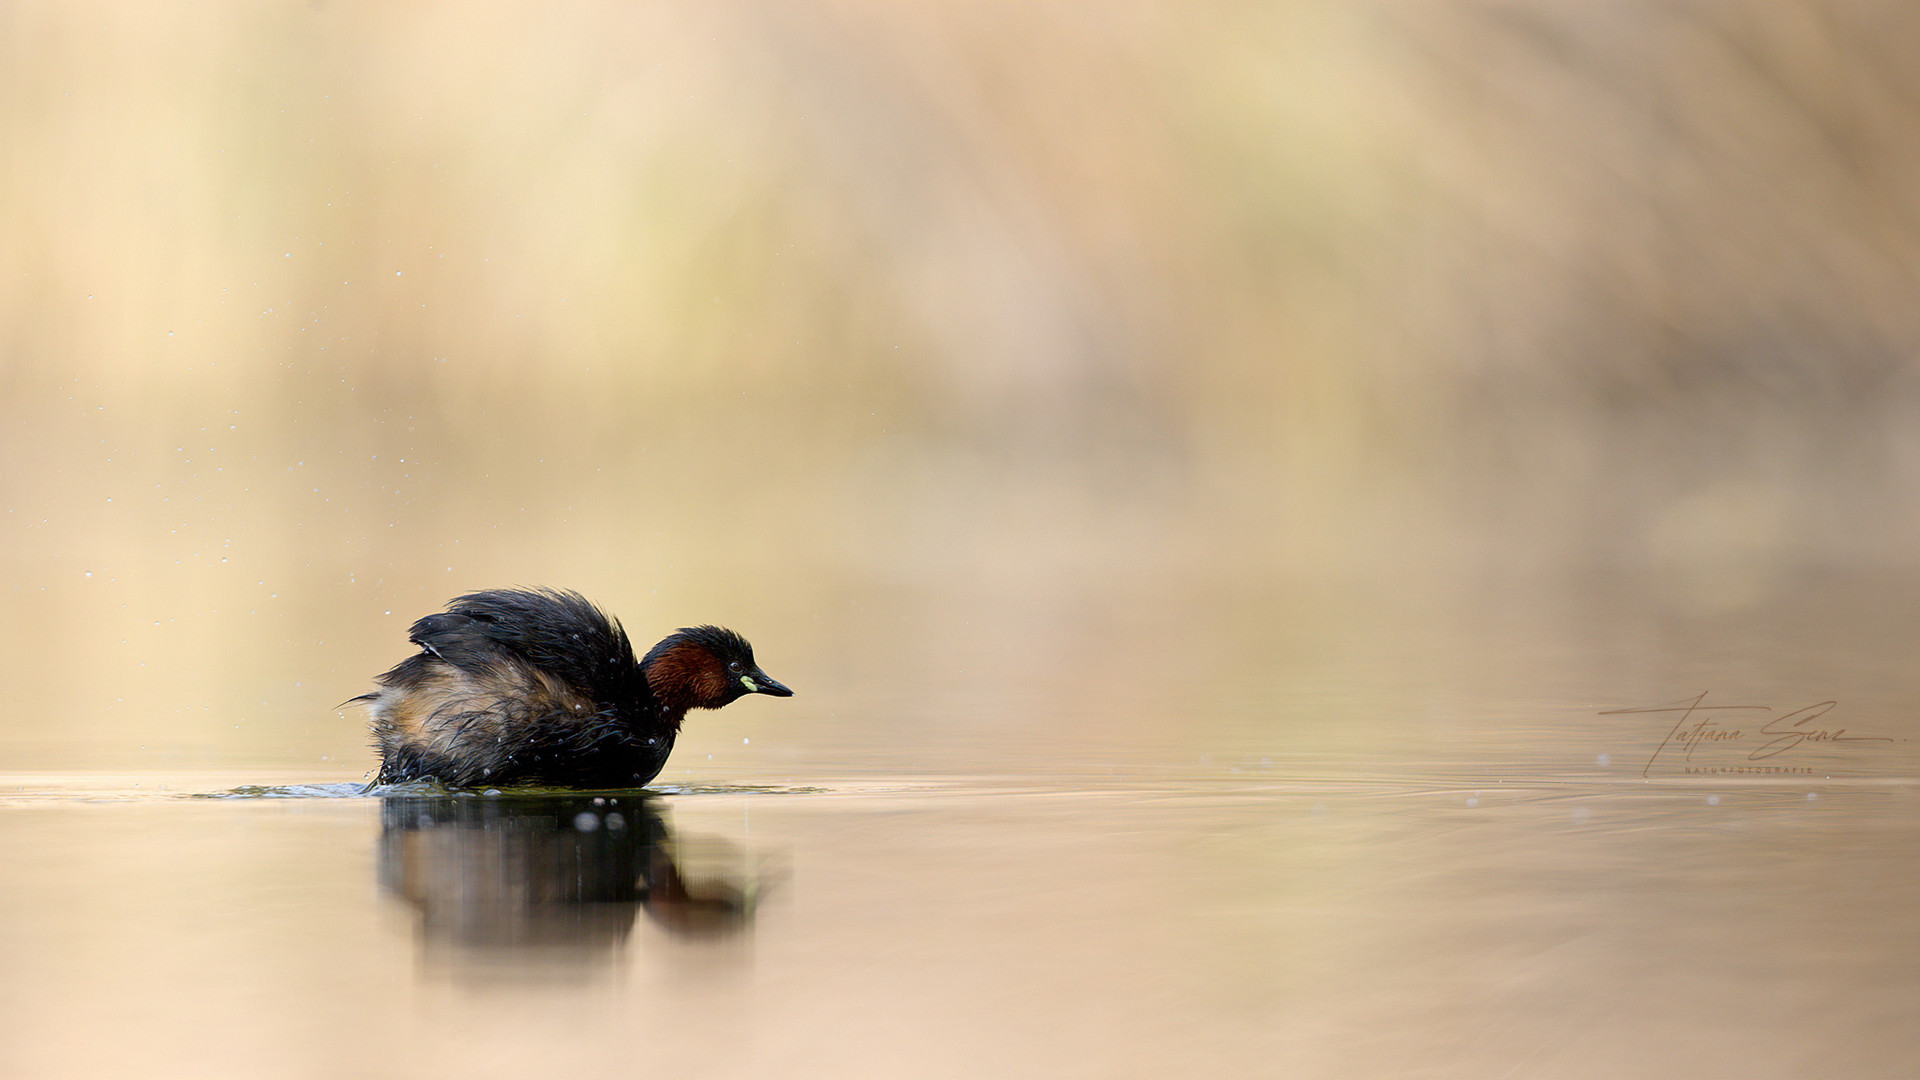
{"x":519,"y":685}
{"x":549,"y":630}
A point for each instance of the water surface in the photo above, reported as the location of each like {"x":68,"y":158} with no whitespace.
{"x":1520,"y":887}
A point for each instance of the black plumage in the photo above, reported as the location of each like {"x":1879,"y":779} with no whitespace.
{"x":541,"y":686}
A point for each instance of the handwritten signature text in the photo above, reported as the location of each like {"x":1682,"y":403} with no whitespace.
{"x":1698,"y":724}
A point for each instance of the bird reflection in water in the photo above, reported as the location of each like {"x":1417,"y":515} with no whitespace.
{"x":549,"y":876}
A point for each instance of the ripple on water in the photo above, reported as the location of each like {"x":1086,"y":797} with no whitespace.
{"x":435,"y":788}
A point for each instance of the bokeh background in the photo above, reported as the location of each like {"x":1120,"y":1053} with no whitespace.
{"x":1040,"y":360}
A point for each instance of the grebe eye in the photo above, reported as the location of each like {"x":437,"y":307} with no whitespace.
{"x":734,"y":667}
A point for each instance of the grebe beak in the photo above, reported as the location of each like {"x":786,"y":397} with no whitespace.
{"x":757,"y":682}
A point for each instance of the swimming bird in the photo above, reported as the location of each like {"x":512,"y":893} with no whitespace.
{"x":540,"y":686}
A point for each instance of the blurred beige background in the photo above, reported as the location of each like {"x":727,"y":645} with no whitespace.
{"x":911,"y":337}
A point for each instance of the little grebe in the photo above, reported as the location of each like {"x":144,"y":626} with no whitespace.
{"x":539,"y":686}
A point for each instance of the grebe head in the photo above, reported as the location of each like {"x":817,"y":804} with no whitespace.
{"x":705,"y":667}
